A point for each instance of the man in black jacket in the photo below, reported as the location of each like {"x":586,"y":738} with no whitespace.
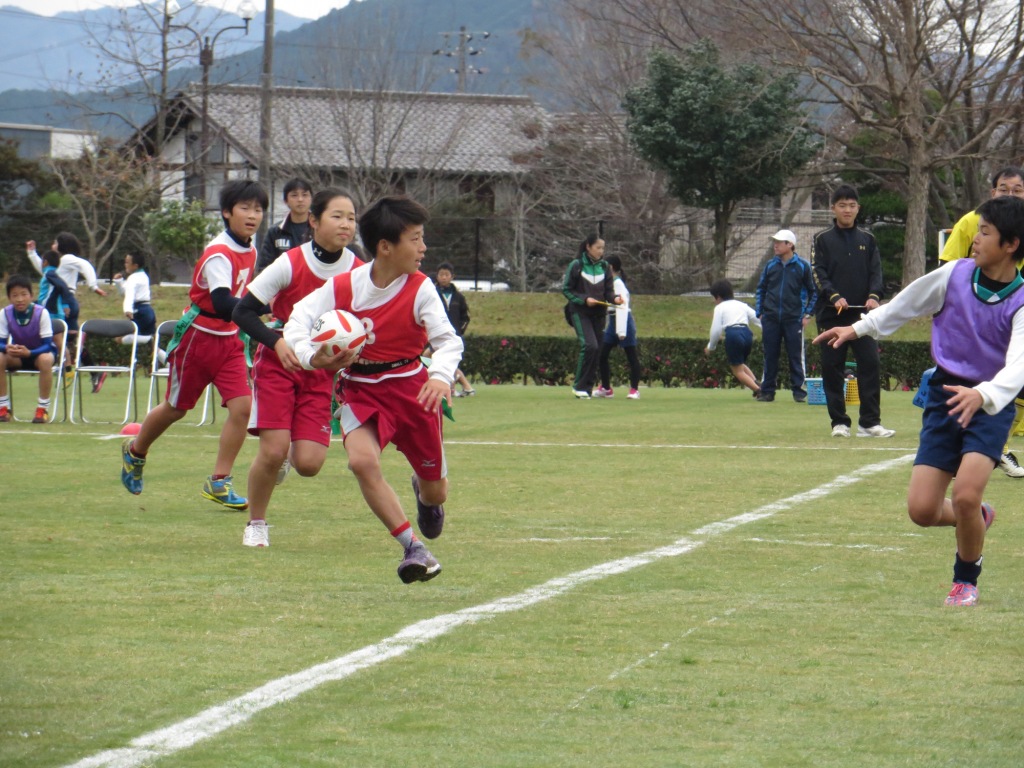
{"x":848,"y":275}
{"x":294,"y":230}
{"x":458,"y":315}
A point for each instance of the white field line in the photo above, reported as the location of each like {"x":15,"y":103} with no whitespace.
{"x":215,"y":720}
{"x":826,"y":544}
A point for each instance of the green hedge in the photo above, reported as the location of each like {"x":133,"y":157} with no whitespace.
{"x":669,"y":362}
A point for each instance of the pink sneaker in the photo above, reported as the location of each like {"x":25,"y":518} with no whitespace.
{"x":962,"y":594}
{"x":988,"y":514}
{"x":634,"y":394}
{"x":602,"y":392}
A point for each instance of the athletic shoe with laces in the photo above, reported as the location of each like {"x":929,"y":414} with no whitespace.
{"x":840,"y":430}
{"x":430,"y":519}
{"x":221,"y":492}
{"x":256,"y":535}
{"x":634,"y":394}
{"x":5,"y":413}
{"x":418,"y":564}
{"x":962,"y":594}
{"x":602,"y":392}
{"x":876,"y":431}
{"x":40,"y":417}
{"x":988,"y":514}
{"x":1009,"y":464}
{"x":97,"y":382}
{"x":581,"y":394}
{"x":283,"y":471}
{"x":131,"y":468}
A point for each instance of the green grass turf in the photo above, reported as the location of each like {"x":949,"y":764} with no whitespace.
{"x":524,"y":314}
{"x":813,"y":637}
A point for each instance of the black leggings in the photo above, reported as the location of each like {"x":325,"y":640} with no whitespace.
{"x":631,"y":357}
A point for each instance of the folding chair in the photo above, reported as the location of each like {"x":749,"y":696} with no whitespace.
{"x":59,"y":384}
{"x":164,"y":332}
{"x":107,"y":329}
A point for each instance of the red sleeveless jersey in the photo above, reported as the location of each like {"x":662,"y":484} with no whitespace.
{"x":393,"y":332}
{"x":242,"y":263}
{"x":303,"y":283}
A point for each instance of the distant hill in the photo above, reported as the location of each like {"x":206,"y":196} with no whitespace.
{"x":373,"y":43}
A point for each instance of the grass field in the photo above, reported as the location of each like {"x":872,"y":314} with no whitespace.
{"x":526,"y":314}
{"x":690,"y":579}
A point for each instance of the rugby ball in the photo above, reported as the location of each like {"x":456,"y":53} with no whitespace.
{"x":338,"y":330}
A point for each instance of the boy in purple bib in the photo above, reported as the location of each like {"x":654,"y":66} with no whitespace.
{"x":26,"y":343}
{"x":978,"y":347}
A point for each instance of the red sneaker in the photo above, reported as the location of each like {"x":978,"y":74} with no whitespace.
{"x":40,"y":417}
{"x":5,"y":413}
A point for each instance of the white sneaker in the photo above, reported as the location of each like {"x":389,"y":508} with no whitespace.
{"x":256,"y":535}
{"x":282,"y":473}
{"x":581,"y":394}
{"x":634,"y":394}
{"x":1008,"y":463}
{"x":840,"y":430}
{"x":876,"y":431}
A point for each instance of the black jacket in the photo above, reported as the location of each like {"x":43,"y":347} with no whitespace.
{"x":280,"y":238}
{"x":456,"y":308}
{"x":847,"y":264}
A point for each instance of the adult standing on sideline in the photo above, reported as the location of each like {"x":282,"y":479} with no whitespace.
{"x":590,"y":288}
{"x":848,"y":275}
{"x":784,"y":303}
{"x":294,"y":229}
{"x":457,"y":309}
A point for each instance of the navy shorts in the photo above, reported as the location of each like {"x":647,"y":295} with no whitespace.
{"x":943,"y":442}
{"x":612,"y":339}
{"x":738,"y":342}
{"x":145,"y":319}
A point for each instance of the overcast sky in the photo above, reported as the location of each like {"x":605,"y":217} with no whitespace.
{"x":306,"y":9}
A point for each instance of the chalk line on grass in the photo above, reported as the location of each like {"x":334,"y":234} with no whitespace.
{"x":217,"y":719}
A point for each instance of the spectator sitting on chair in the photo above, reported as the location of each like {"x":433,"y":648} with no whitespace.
{"x":55,"y":295}
{"x":30,"y":347}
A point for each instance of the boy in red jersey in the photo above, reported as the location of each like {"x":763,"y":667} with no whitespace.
{"x":389,"y":396}
{"x":206,"y":349}
{"x":291,"y":410}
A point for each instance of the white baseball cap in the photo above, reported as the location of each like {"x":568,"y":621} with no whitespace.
{"x":785,"y":234}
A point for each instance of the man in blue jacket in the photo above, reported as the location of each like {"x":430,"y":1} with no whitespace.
{"x":785,"y":301}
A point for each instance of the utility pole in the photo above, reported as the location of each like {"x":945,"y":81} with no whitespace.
{"x":462,"y":51}
{"x":266,"y":105}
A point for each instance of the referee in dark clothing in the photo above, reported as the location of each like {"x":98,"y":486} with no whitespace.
{"x":848,"y":275}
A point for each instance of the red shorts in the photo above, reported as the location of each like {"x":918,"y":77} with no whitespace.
{"x":298,"y":401}
{"x":400,"y":420}
{"x":202,"y":359}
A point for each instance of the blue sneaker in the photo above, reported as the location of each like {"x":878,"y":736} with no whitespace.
{"x":429,"y":519}
{"x":221,"y":492}
{"x":988,"y":514}
{"x":131,"y":468}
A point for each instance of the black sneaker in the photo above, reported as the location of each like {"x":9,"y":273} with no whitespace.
{"x":800,"y":397}
{"x":429,"y":519}
{"x":764,"y":397}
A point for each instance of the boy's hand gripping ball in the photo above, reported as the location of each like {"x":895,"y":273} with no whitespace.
{"x":339,"y":331}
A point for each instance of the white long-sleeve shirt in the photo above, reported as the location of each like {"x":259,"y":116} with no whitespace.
{"x":70,"y":269}
{"x":621,"y":310}
{"x":730,"y":312}
{"x":135,"y":288}
{"x":428,"y":309}
{"x":926,"y":296}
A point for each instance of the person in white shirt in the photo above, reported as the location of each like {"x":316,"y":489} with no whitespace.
{"x":732,"y":319}
{"x":137,"y":305}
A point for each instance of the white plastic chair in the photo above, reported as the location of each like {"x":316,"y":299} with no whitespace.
{"x":106,"y":329}
{"x":163,"y":335}
{"x":59,"y":384}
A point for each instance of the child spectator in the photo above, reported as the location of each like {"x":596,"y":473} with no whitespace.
{"x":619,"y":333}
{"x":55,"y":295}
{"x":294,"y":229}
{"x":785,"y":300}
{"x":206,"y":349}
{"x":137,"y":306}
{"x":291,"y":410}
{"x":389,"y":397}
{"x":28,"y":327}
{"x":978,"y":347}
{"x":733,"y":319}
{"x":457,"y":309}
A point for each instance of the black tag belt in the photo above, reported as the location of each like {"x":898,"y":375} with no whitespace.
{"x":370,"y":368}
